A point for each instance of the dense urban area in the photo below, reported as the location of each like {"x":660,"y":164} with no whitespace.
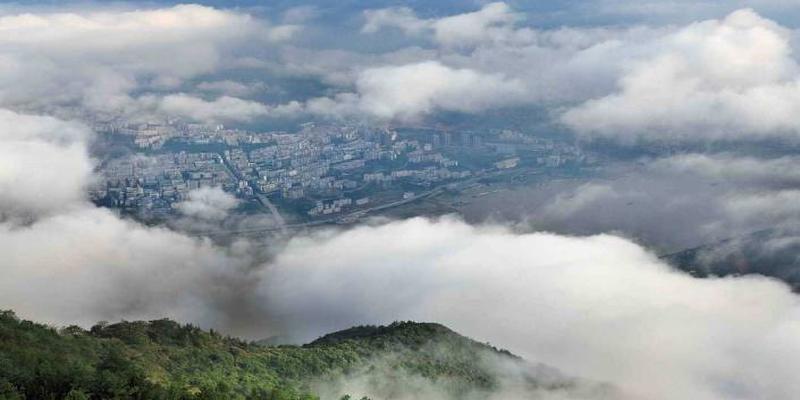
{"x":322,"y":173}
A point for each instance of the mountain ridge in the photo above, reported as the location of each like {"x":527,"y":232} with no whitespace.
{"x":162,"y":359}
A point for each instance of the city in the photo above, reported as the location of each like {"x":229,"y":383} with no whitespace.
{"x":322,"y":173}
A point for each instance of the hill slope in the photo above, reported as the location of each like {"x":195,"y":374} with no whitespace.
{"x":165,"y":360}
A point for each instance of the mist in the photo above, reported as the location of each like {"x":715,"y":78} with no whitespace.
{"x":598,"y":307}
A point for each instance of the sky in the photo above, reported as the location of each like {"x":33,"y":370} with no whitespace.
{"x":573,"y":280}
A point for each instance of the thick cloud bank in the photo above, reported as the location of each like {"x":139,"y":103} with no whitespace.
{"x":100,"y":62}
{"x":44,"y":164}
{"x":600,"y":307}
{"x":409,"y":91}
{"x":734,"y":77}
{"x":64,"y":259}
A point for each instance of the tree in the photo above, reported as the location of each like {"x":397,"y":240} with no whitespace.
{"x":76,"y":394}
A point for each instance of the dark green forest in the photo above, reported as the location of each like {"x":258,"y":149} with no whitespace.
{"x":162,"y":359}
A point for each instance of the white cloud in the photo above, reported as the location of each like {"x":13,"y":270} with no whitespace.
{"x":95,"y":61}
{"x":599,"y":307}
{"x":221,"y":109}
{"x":734,"y":77}
{"x":207,"y":203}
{"x":586,"y":196}
{"x":413,"y":90}
{"x":493,"y":22}
{"x":403,"y":18}
{"x":729,"y":78}
{"x":44,"y":165}
{"x":88,"y":265}
{"x":230,"y":88}
{"x":551,"y":67}
{"x":63,"y":258}
{"x":680,"y":11}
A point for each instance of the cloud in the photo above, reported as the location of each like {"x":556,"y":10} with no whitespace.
{"x":300,"y":14}
{"x":221,"y":109}
{"x":88,"y":265}
{"x":752,"y":193}
{"x":98,"y":62}
{"x":385,"y":378}
{"x":678,"y":11}
{"x":63,"y":258}
{"x":80,"y":69}
{"x":493,"y":22}
{"x":668,"y":203}
{"x":600,"y":307}
{"x":780,"y":207}
{"x":586,"y":196}
{"x":550,"y":68}
{"x":207,"y":203}
{"x":717,"y":79}
{"x":44,"y":165}
{"x":230,"y":88}
{"x":744,"y":170}
{"x":413,"y":90}
{"x":403,"y":18}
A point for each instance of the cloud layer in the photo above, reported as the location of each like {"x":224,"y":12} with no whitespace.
{"x":729,"y":78}
{"x":98,"y":62}
{"x":409,"y":91}
{"x":600,"y":307}
{"x":733,"y":77}
{"x":44,"y":165}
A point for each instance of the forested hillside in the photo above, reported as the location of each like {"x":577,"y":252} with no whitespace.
{"x":165,"y":360}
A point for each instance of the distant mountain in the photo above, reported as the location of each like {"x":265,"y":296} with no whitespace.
{"x":162,"y":359}
{"x":773,"y":253}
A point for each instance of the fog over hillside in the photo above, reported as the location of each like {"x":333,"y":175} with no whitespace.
{"x":569,"y":275}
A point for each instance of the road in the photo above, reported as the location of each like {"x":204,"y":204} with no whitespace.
{"x":264,"y":200}
{"x":358,"y":214}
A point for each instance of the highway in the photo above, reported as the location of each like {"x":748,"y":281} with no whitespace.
{"x":353,"y":216}
{"x":264,"y":200}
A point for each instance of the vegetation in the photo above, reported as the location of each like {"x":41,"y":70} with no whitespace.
{"x":162,"y":359}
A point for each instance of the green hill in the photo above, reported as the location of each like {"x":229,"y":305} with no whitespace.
{"x":162,"y":359}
